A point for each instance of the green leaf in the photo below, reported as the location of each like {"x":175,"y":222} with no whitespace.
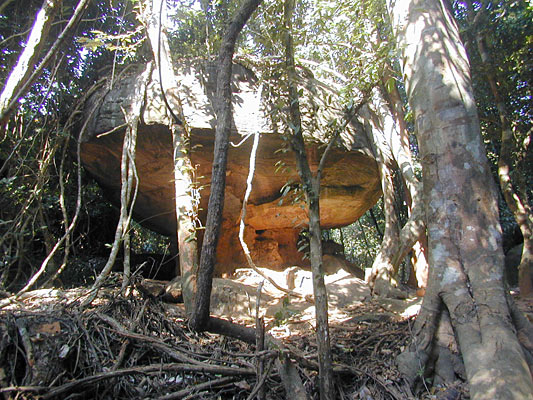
{"x":90,"y":44}
{"x":390,"y":84}
{"x":295,"y":129}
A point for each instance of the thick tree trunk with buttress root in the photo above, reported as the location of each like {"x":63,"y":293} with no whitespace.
{"x":464,"y":236}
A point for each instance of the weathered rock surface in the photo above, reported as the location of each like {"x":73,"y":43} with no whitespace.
{"x":350,"y":182}
{"x":236,"y":298}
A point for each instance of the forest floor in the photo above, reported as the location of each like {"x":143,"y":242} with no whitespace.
{"x":135,"y":346}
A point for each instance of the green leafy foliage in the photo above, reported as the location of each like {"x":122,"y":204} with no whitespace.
{"x":126,"y":43}
{"x":361,"y":240}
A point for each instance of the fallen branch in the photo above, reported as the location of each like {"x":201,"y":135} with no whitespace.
{"x":89,"y":345}
{"x":157,"y":343}
{"x":24,"y":389}
{"x":198,"y":388}
{"x":173,"y":367}
{"x":257,"y":390}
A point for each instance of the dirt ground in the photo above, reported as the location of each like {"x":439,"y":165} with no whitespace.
{"x":135,"y":346}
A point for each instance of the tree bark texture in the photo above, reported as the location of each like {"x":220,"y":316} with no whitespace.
{"x":382,"y":273}
{"x":464,"y":236}
{"x":519,"y":206}
{"x":311,"y":187}
{"x":29,"y":56}
{"x":186,"y":214}
{"x":389,"y":152}
{"x":224,"y":114}
{"x":413,"y":233}
{"x":26,"y":74}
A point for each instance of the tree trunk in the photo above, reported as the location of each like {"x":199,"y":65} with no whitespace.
{"x":413,"y":233}
{"x":129,"y":185}
{"x":311,"y":186}
{"x":389,"y":151}
{"x":28,"y":58}
{"x":224,"y":114}
{"x":382,"y":275}
{"x":25,"y":73}
{"x":186,"y":213}
{"x":464,"y":236}
{"x":518,"y":206}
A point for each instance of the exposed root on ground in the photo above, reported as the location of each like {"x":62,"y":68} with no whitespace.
{"x":139,"y":347}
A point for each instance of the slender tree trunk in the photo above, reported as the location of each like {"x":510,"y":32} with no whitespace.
{"x":20,"y":81}
{"x":382,"y":275}
{"x":242,"y":226}
{"x":224,"y":114}
{"x":127,"y":175}
{"x":205,"y":5}
{"x":466,"y":258}
{"x":413,"y":233}
{"x":311,"y":187}
{"x":68,"y":229}
{"x":69,"y":226}
{"x":186,"y":213}
{"x":29,"y":56}
{"x":375,"y":221}
{"x":518,"y":206}
{"x":389,"y":151}
{"x":132,"y":179}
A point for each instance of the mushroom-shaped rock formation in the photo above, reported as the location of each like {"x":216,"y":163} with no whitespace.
{"x":350,"y":183}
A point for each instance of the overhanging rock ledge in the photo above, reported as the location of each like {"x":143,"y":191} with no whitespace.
{"x":350,"y":184}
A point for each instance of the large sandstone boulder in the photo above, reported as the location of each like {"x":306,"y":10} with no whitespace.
{"x":350,"y":182}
